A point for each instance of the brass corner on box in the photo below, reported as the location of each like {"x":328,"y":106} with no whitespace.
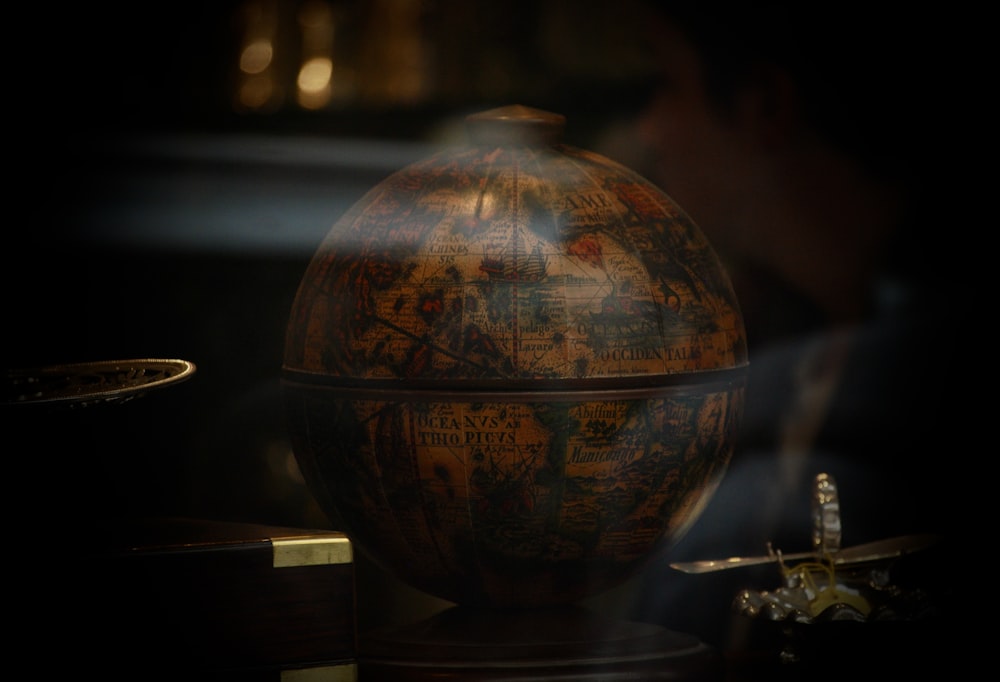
{"x":224,"y":600}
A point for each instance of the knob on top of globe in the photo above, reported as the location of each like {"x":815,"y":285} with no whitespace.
{"x":514,"y":371}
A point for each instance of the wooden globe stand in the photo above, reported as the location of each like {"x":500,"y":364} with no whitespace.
{"x":558,"y":643}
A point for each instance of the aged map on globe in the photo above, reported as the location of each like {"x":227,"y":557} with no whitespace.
{"x":455,"y":270}
{"x":511,"y":372}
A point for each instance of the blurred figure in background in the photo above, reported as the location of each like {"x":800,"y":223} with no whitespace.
{"x":810,"y":148}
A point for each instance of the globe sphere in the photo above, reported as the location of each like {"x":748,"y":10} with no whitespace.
{"x":514,"y":371}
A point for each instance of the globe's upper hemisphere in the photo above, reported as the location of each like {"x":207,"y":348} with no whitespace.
{"x":514,"y":264}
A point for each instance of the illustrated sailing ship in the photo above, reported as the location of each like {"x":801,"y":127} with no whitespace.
{"x":516,"y":267}
{"x":620,"y":311}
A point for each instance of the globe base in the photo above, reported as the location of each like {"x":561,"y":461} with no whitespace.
{"x":560,"y":643}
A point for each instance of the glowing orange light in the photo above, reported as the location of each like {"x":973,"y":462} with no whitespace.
{"x":256,"y":92}
{"x":256,"y":56}
{"x":315,"y":74}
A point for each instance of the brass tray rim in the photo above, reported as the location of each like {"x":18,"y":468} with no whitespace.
{"x":117,"y":389}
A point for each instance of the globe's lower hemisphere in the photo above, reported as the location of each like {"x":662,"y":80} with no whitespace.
{"x":514,"y":502}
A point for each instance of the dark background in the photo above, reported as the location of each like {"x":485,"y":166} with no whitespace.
{"x":150,"y":215}
{"x":153,"y":216}
{"x":157,"y":218}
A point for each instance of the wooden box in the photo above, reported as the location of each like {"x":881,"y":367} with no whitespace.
{"x":189,"y":599}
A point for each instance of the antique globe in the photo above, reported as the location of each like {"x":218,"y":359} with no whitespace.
{"x":514,"y":371}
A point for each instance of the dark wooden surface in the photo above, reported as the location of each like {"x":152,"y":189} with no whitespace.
{"x":192,"y":600}
{"x":203,"y":598}
{"x":560,"y":643}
